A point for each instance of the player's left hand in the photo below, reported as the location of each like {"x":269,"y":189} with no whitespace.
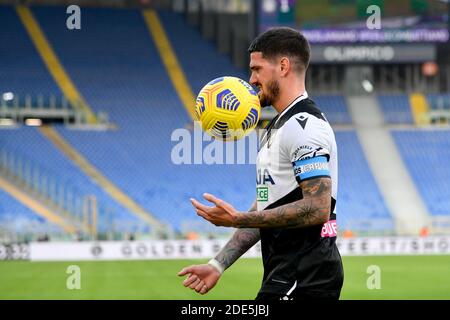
{"x":222,"y":214}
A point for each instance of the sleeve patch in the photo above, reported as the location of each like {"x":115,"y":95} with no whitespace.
{"x":310,"y":168}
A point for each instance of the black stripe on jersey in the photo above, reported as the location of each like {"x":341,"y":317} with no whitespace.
{"x":292,"y":196}
{"x":306,"y":105}
{"x":306,"y":179}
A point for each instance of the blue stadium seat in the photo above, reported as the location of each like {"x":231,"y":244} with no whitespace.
{"x":334,"y":107}
{"x":426,"y":154}
{"x":396,"y":108}
{"x":22,"y":69}
{"x":17,"y":218}
{"x":27,"y":143}
{"x":199,"y":59}
{"x":360,"y":205}
{"x":439,"y":101}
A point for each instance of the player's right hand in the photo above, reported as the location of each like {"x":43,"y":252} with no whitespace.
{"x":201,"y":278}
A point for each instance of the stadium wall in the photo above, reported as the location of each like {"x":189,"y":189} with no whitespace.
{"x":205,"y":249}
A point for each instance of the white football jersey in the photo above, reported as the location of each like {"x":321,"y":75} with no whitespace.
{"x":299,"y":144}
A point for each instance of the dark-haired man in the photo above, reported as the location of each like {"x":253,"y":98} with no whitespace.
{"x":294,"y":213}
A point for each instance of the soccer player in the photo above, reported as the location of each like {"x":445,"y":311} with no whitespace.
{"x":294,"y":213}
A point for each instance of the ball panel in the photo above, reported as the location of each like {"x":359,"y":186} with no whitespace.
{"x":200,"y":107}
{"x":250,"y":120}
{"x":227,"y":100}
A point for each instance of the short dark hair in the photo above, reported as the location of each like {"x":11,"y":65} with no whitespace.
{"x":283,"y":41}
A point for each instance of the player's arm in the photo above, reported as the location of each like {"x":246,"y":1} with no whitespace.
{"x":242,"y":240}
{"x":313,"y":209}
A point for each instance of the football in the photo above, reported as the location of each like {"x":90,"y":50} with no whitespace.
{"x":228,"y":108}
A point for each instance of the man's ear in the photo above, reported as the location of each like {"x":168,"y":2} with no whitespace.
{"x":285,"y":65}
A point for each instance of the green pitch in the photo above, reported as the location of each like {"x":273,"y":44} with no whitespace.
{"x":402,"y":277}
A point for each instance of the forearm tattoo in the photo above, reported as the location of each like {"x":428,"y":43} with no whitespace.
{"x":242,"y":240}
{"x":313,"y":209}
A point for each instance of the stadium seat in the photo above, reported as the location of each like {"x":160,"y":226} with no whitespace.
{"x":20,"y":220}
{"x":358,"y":208}
{"x":426,"y":154}
{"x":439,"y":101}
{"x":334,"y":107}
{"x":29,"y":145}
{"x":396,"y":109}
{"x":22,"y":69}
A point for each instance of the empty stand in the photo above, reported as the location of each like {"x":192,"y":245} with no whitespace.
{"x":199,"y":58}
{"x":17,"y":218}
{"x":28,"y":144}
{"x":22,"y":70}
{"x":334,"y":107}
{"x":396,"y":109}
{"x":426,"y":154}
{"x":439,"y":101}
{"x":360,"y":205}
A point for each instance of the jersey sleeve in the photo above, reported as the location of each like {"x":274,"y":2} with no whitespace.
{"x":307,"y":148}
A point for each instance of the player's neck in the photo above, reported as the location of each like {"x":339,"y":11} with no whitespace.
{"x":288,"y":96}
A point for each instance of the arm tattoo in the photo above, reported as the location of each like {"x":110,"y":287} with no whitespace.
{"x":242,"y":240}
{"x":313,"y":209}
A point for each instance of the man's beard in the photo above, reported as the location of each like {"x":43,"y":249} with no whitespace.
{"x":269,"y":96}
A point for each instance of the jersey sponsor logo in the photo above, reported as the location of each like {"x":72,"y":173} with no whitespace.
{"x":312,"y":167}
{"x":301,"y":150}
{"x":329,"y":229}
{"x":264,"y":177}
{"x":262,"y":194}
{"x":306,"y":152}
{"x":302,"y":121}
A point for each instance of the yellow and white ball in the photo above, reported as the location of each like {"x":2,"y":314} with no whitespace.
{"x":228,"y":108}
